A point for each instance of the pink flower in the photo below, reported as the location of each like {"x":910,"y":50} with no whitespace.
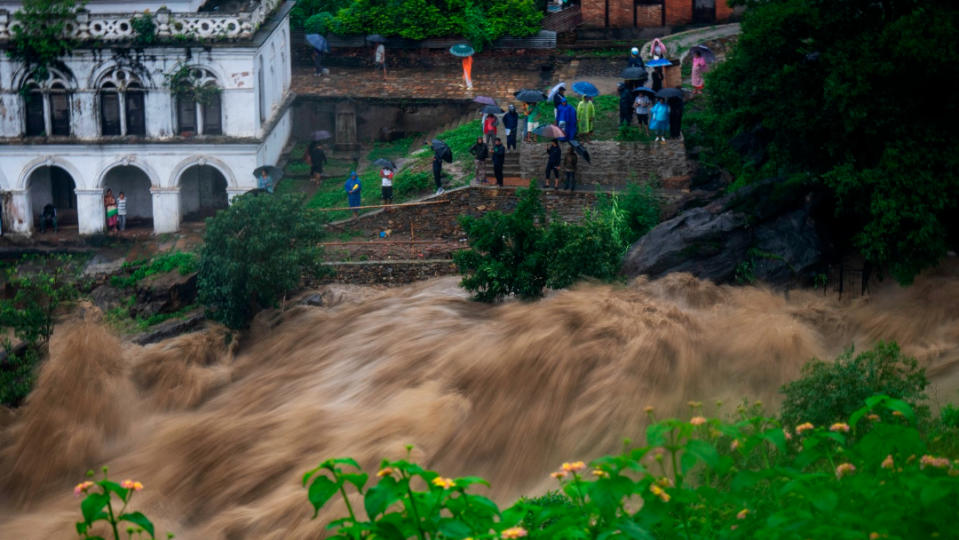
{"x":130,"y":484}
{"x":697,"y":420}
{"x":845,"y":469}
{"x":514,"y":532}
{"x":887,"y":463}
{"x":742,"y":513}
{"x":559,"y":475}
{"x":839,"y":426}
{"x":734,"y":445}
{"x":805,"y":426}
{"x":82,"y":487}
{"x":932,"y":461}
{"x":786,"y":434}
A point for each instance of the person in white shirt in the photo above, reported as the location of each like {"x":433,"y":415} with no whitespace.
{"x":122,"y":211}
{"x":386,"y":185}
{"x":379,"y":58}
{"x":642,"y":105}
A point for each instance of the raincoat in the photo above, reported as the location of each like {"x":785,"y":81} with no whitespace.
{"x":353,"y":189}
{"x":586,"y":112}
{"x":567,"y":114}
{"x":660,"y":117}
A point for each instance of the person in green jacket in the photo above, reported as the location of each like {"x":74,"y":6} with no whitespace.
{"x":586,"y":113}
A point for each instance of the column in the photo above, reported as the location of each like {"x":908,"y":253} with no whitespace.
{"x":91,"y":214}
{"x":17,"y":215}
{"x":166,"y":209}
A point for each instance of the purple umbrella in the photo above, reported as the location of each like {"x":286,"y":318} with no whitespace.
{"x":704,"y":51}
{"x":484,"y":100}
{"x":549,"y":130}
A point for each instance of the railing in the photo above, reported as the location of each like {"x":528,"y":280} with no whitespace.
{"x":198,"y":26}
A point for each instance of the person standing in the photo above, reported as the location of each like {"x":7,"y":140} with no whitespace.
{"x":438,"y":173}
{"x":625,"y":104}
{"x":48,"y":218}
{"x":658,"y":49}
{"x":122,"y":211}
{"x":586,"y":112}
{"x":499,"y":156}
{"x":353,"y":192}
{"x":699,"y":67}
{"x":386,"y":185}
{"x":489,"y":128}
{"x":510,"y":123}
{"x":558,"y":98}
{"x":317,"y":159}
{"x":567,"y":114}
{"x":569,"y":167}
{"x":379,"y":58}
{"x":642,"y":105}
{"x":530,"y":112}
{"x":658,"y":77}
{"x":468,"y":71}
{"x":317,"y":57}
{"x":480,"y":152}
{"x":659,"y":120}
{"x":635,"y":60}
{"x":675,"y":116}
{"x":110,"y":204}
{"x":553,"y":154}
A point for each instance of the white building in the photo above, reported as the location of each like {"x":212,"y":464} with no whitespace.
{"x":106,"y":117}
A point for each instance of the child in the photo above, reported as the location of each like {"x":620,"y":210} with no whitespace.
{"x":642,"y":104}
{"x":660,"y":119}
{"x":122,"y":211}
{"x":386,"y":185}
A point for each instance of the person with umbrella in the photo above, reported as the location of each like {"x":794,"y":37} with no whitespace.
{"x":635,"y":60}
{"x":625,"y":104}
{"x":353,"y":192}
{"x":642,"y":105}
{"x":489,"y":128}
{"x":317,"y":159}
{"x":586,"y":113}
{"x":499,"y":157}
{"x":466,"y":53}
{"x":319,"y":47}
{"x":554,"y":154}
{"x":699,"y":67}
{"x":569,"y":167}
{"x":559,"y":96}
{"x":480,"y":152}
{"x":659,"y":121}
{"x":510,"y":123}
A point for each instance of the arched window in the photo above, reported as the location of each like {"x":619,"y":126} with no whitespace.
{"x":199,"y":111}
{"x":121,"y":104}
{"x":47,"y":105}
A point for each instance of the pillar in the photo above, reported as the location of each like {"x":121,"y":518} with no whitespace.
{"x":17,"y":214}
{"x":166,"y":209}
{"x":91,"y":214}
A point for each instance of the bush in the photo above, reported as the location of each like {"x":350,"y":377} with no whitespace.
{"x":18,"y":373}
{"x":828,"y":392}
{"x":321,"y":23}
{"x":254,"y":253}
{"x":38,"y":292}
{"x":183,"y":262}
{"x":588,"y":249}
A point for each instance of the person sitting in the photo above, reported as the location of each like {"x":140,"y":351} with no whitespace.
{"x":48,"y":218}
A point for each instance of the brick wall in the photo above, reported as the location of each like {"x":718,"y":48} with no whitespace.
{"x":649,"y":15}
{"x":723,"y":11}
{"x":594,"y":13}
{"x":621,"y":13}
{"x":615,"y":164}
{"x":679,"y":11}
{"x":563,"y":21}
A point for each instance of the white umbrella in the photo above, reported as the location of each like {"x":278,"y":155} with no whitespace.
{"x":555,"y":89}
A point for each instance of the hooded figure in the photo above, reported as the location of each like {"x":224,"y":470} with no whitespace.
{"x":585,"y":113}
{"x":353,"y":190}
{"x":510,"y":123}
{"x":567,"y":114}
{"x":625,"y":105}
{"x":635,"y":60}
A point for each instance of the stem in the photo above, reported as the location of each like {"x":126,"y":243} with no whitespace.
{"x":349,"y":507}
{"x":416,"y":515}
{"x":113,"y":521}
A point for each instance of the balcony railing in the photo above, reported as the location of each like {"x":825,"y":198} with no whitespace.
{"x":170,"y":27}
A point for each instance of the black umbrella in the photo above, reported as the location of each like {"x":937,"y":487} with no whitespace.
{"x":530,"y":96}
{"x":633,"y":74}
{"x":318,"y":42}
{"x":491,"y":109}
{"x":442,"y":150}
{"x":580,"y":149}
{"x":273,"y":175}
{"x":644,"y":90}
{"x":670,"y":93}
{"x":321,"y":135}
{"x":383,"y":162}
{"x":375,"y":38}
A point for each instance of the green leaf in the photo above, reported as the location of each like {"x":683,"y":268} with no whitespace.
{"x":467,"y":481}
{"x":632,"y":530}
{"x":357,"y":479}
{"x":934,"y":491}
{"x":92,"y":505}
{"x":704,"y":451}
{"x":824,"y":500}
{"x":454,"y":528}
{"x":309,"y":474}
{"x":656,"y":434}
{"x":137,"y":518}
{"x":321,"y":490}
{"x":379,"y":497}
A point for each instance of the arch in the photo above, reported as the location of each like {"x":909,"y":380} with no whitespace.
{"x":55,"y":74}
{"x":203,"y":160}
{"x":131,"y":162}
{"x":135,"y":184}
{"x":103,"y":71}
{"x":52,"y":185}
{"x":49,"y":161}
{"x":203,"y":192}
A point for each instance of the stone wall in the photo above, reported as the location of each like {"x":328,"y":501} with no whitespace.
{"x":440,"y":221}
{"x":387,"y":272}
{"x":615,"y":164}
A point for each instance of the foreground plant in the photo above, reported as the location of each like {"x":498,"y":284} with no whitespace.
{"x":703,"y":478}
{"x":98,"y":505}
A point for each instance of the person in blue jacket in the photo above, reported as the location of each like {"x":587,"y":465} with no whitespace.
{"x":353,"y":192}
{"x":567,"y":114}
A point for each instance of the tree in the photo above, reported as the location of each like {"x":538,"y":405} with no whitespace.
{"x":38,"y":40}
{"x":254,"y":253}
{"x":842,"y":91}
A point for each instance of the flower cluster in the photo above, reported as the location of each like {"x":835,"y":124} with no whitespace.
{"x":659,"y":492}
{"x":697,"y":420}
{"x":839,"y":426}
{"x":575,"y":466}
{"x":444,"y":483}
{"x":514,"y":532}
{"x":385,"y":471}
{"x":805,"y":426}
{"x":845,"y":469}
{"x":82,"y":487}
{"x":130,"y":484}
{"x":888,"y":463}
{"x":933,"y":461}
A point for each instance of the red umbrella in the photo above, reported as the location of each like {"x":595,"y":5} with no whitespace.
{"x":550,"y":130}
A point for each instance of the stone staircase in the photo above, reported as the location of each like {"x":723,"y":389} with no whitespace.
{"x":512,"y":175}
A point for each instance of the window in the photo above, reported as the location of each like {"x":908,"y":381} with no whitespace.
{"x":47,"y":106}
{"x":121,"y":104}
{"x":200,"y":112}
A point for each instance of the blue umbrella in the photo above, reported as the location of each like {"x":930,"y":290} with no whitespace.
{"x":585,"y":88}
{"x":461,"y":49}
{"x":649,"y":91}
{"x":659,"y":62}
{"x":318,"y":42}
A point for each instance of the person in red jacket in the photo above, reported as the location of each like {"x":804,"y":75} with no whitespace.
{"x":489,"y":129}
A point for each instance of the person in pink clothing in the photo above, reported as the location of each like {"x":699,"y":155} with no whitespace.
{"x":489,"y":128}
{"x":658,"y":49}
{"x":699,"y":67}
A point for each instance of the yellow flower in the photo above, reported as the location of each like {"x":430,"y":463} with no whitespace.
{"x":805,"y":426}
{"x":734,"y":445}
{"x":874,"y":536}
{"x":575,"y":466}
{"x":874,"y":417}
{"x":600,"y":473}
{"x":697,"y":420}
{"x":887,"y":463}
{"x":659,"y":492}
{"x":649,"y":409}
{"x":559,"y":475}
{"x":444,"y":483}
{"x":665,"y":482}
{"x":742,"y":513}
{"x":933,"y":461}
{"x":82,"y":487}
{"x":385,"y":471}
{"x":839,"y":426}
{"x":130,"y":484}
{"x":844,"y":469}
{"x":513,"y":532}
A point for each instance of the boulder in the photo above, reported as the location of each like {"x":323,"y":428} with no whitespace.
{"x":164,"y":293}
{"x":765,"y":232}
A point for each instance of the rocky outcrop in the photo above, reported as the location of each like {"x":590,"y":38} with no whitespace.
{"x":164,"y":293}
{"x":764,"y":232}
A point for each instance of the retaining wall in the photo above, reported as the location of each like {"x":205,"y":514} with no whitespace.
{"x":615,"y":164}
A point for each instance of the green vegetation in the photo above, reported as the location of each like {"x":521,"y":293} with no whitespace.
{"x":144,"y":29}
{"x":521,"y":253}
{"x":606,"y":123}
{"x":183,"y":262}
{"x":829,"y":392}
{"x":831,"y":92}
{"x":98,"y":505}
{"x":479,"y":21}
{"x":38,"y":39}
{"x":254,"y":253}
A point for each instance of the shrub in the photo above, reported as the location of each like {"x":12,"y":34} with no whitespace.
{"x":588,"y":249}
{"x":829,"y":391}
{"x":321,"y":23}
{"x":254,"y":253}
{"x":98,"y":505}
{"x":182,"y":261}
{"x":38,"y":292}
{"x":18,"y":373}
